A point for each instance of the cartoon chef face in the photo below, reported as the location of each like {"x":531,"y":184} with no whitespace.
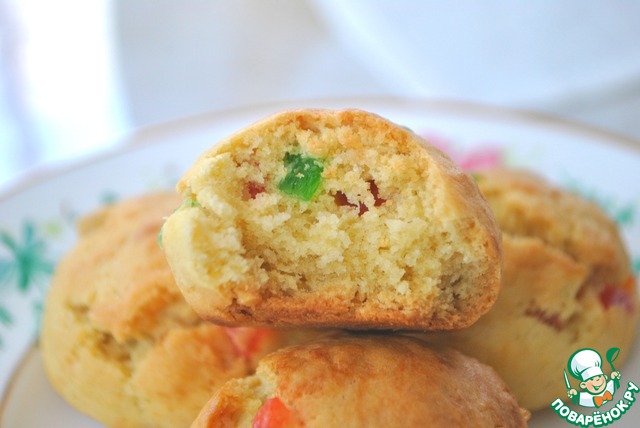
{"x":586,"y":365}
{"x":595,"y":385}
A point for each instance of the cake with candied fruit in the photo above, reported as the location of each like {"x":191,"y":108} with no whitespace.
{"x":365,"y":381}
{"x":567,"y":285}
{"x":119,"y":342}
{"x":333,"y":219}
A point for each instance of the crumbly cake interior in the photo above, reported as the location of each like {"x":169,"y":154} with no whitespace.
{"x":378,"y":226}
{"x":250,"y":394}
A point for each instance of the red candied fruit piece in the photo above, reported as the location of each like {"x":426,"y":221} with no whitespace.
{"x":247,"y":341}
{"x":274,"y":414}
{"x":373,"y":188}
{"x":342,"y":201}
{"x":552,"y":320}
{"x":620,"y":296}
{"x":253,"y":189}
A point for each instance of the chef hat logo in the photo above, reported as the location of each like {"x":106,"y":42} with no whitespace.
{"x":585,"y":364}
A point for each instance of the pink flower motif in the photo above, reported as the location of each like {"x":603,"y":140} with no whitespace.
{"x":484,"y":158}
{"x":472,"y":160}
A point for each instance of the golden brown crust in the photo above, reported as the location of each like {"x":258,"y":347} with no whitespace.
{"x":563,"y":258}
{"x":525,"y":204}
{"x":118,"y":340}
{"x":373,"y":381}
{"x":425,"y":254}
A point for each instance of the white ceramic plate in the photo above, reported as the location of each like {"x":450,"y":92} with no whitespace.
{"x":37,"y":217}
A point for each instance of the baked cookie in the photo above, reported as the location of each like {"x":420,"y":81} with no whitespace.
{"x":567,"y":285}
{"x":365,"y":381}
{"x":118,"y":340}
{"x":333,"y":218}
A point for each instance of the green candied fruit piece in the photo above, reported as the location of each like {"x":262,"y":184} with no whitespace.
{"x":304,"y":175}
{"x":189,"y":202}
{"x":160,"y":243}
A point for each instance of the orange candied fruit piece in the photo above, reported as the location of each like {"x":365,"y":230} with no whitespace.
{"x":274,"y":414}
{"x":247,"y":341}
{"x":620,"y":296}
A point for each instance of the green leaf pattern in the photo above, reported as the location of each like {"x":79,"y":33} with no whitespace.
{"x":27,"y":259}
{"x":23,"y":269}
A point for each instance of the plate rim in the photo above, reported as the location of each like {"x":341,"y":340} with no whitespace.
{"x":147,"y":135}
{"x":27,"y":355}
